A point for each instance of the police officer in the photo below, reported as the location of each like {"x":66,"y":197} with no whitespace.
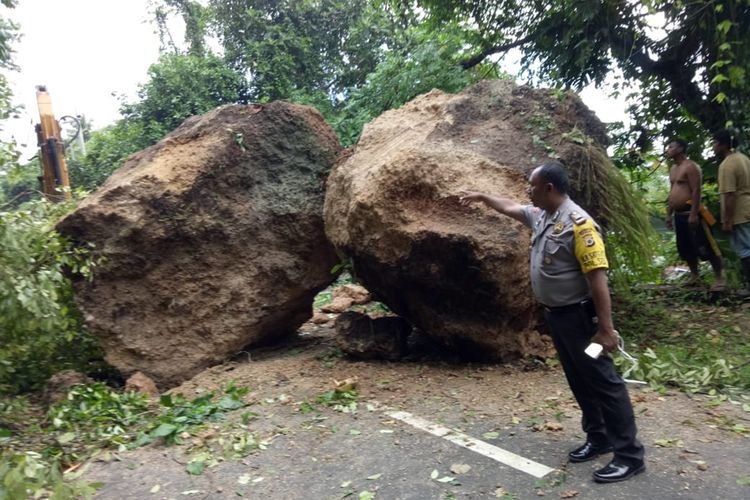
{"x":568,"y":276}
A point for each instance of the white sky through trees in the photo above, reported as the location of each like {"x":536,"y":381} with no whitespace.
{"x":88,"y":52}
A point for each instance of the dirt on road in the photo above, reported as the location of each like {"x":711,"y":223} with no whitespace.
{"x":696,"y":446}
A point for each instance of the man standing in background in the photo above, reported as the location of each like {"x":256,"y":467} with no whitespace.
{"x":692,"y":231}
{"x":734,"y":188}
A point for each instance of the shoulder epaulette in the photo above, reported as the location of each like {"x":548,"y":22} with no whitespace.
{"x":578,"y":219}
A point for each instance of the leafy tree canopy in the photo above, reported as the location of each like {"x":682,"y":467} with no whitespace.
{"x":687,"y":59}
{"x":8,"y":35}
{"x":287,"y":46}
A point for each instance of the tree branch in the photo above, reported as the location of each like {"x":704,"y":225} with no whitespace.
{"x":478,"y":58}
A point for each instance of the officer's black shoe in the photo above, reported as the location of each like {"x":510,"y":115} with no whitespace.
{"x":588,"y":451}
{"x":614,"y":472}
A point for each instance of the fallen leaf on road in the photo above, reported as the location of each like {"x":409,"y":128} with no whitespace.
{"x":500,"y":492}
{"x":668,"y":443}
{"x":491,"y":435}
{"x":460,"y":468}
{"x":374,"y":476}
{"x":569,"y":494}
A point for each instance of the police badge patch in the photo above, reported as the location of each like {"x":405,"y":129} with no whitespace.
{"x":558,"y":228}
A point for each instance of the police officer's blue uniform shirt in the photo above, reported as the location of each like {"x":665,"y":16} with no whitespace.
{"x":564,"y":246}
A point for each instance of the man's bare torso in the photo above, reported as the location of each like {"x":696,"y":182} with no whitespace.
{"x":681,"y":191}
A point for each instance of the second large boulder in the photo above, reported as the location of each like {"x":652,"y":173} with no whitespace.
{"x":459,"y":274}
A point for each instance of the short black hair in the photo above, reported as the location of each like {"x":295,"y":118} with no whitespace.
{"x":554,"y":173}
{"x":680,"y":142}
{"x":726,"y":137}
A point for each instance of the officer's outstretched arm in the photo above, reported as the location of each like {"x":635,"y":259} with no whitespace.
{"x":505,"y":206}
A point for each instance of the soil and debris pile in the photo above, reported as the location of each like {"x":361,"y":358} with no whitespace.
{"x":460,"y":274}
{"x":212,"y":240}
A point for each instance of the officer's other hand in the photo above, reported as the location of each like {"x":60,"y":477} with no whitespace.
{"x":607,"y":338}
{"x":693,"y":219}
{"x":466,"y":198}
{"x":668,"y":221}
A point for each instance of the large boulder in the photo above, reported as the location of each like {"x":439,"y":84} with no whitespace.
{"x":459,"y":274}
{"x":212,"y":240}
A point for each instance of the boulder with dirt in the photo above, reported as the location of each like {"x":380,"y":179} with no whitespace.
{"x":212,"y":240}
{"x":365,"y":337}
{"x":460,"y":274}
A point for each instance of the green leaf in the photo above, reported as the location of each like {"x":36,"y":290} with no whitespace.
{"x":195,"y":467}
{"x":230,"y":403}
{"x":164,"y":430}
{"x":66,"y":437}
{"x":719,"y":78}
{"x":724,"y":26}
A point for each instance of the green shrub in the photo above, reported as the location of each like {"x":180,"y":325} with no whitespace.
{"x":40,"y":328}
{"x":29,"y":475}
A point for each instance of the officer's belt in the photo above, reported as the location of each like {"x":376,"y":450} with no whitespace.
{"x":570,"y":307}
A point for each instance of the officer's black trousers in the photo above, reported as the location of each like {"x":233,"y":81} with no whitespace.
{"x":600,"y":391}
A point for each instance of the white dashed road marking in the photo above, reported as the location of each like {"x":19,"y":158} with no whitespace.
{"x":498,"y":454}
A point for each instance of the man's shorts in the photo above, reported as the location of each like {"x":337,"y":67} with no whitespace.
{"x":694,"y":242}
{"x":741,"y":239}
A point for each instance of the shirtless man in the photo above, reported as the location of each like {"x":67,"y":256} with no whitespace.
{"x":694,"y":239}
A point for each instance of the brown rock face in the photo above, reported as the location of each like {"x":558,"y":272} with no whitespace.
{"x":460,"y":274}
{"x":213,"y":240}
{"x":365,"y":337}
{"x":138,"y":382}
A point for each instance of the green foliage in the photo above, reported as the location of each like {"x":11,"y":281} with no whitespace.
{"x":106,"y":151}
{"x":40,"y":328}
{"x":8,"y":36}
{"x":426,"y":62}
{"x":181,"y":86}
{"x":94,"y":415}
{"x":688,"y":346}
{"x":666,"y":369}
{"x":340,"y":399}
{"x":29,"y":475}
{"x":289,"y":46}
{"x":693,"y":73}
{"x":178,"y":414}
{"x":19,"y":184}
